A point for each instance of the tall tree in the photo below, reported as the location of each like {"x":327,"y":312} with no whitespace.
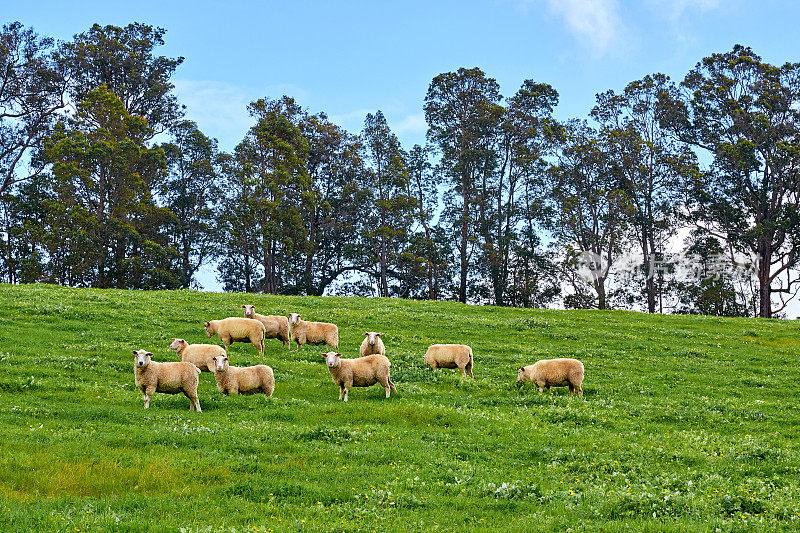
{"x":462,"y":111}
{"x":588,"y":203}
{"x":103,"y":175}
{"x":390,"y":213}
{"x":191,"y":192}
{"x":651,"y":162}
{"x":124,"y":60}
{"x":746,"y":114}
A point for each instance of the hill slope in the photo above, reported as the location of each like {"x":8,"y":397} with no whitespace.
{"x":687,"y":421}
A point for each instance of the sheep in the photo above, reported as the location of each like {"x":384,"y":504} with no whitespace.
{"x":235,"y":380}
{"x":201,"y":355}
{"x":555,"y":373}
{"x":277,"y":327}
{"x":313,"y":332}
{"x":235,"y":329}
{"x":360,"y":372}
{"x":372,"y":344}
{"x":170,"y":378}
{"x":450,"y":356}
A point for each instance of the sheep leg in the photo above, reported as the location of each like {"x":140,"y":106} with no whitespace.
{"x":346,"y":391}
{"x":571,"y":389}
{"x":194,"y":402}
{"x":580,"y":391}
{"x":259,"y":348}
{"x":463,"y":374}
{"x":341,"y":391}
{"x":392,"y":385}
{"x":146,"y":401}
{"x":385,"y":383}
{"x":227,"y":342}
{"x":147,"y":394}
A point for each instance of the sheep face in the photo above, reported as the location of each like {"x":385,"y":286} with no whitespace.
{"x":177,"y":344}
{"x":221,"y":362}
{"x":332,"y":359}
{"x":249,"y":311}
{"x":294,"y":318}
{"x":142,"y":358}
{"x":521,"y":375}
{"x":372,"y":337}
{"x":209,"y":330}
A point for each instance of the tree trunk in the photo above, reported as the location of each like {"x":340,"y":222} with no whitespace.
{"x":600,"y":286}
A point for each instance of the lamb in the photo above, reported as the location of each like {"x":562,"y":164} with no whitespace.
{"x":170,"y":378}
{"x":235,"y":329}
{"x":555,"y":373}
{"x":360,"y":372}
{"x":235,"y":380}
{"x":371,"y":344}
{"x":313,"y":332}
{"x":201,"y":355}
{"x":450,"y":356}
{"x":276,"y":327}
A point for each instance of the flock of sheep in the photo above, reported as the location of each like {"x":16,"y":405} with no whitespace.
{"x":370,"y":368}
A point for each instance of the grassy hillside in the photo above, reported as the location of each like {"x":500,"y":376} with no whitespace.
{"x":688,"y":422}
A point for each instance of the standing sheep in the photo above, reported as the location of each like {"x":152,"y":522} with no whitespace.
{"x":239,"y":329}
{"x":554,"y":373}
{"x":450,"y":356}
{"x":313,"y":332}
{"x":170,"y":378}
{"x":372,"y":344}
{"x":360,"y":372}
{"x":276,"y":326}
{"x":235,"y":380}
{"x":201,"y":355}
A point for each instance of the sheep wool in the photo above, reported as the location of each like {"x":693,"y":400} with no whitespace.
{"x":275,"y":326}
{"x":313,"y":332}
{"x":554,"y":373}
{"x":372,"y":344}
{"x":233,"y":380}
{"x":170,"y":378}
{"x":200,"y":355}
{"x":450,"y":356}
{"x":237,"y":329}
{"x":360,"y":372}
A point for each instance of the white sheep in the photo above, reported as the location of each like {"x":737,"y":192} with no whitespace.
{"x":237,"y":329}
{"x":169,"y":378}
{"x":235,"y":380}
{"x":313,"y":332}
{"x":360,"y":372}
{"x":450,"y":356}
{"x":201,"y":355}
{"x":554,"y":373}
{"x":372,"y":344}
{"x":276,"y":326}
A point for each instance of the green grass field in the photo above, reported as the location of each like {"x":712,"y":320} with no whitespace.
{"x":688,"y":423}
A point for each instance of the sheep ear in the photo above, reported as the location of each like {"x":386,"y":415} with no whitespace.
{"x":134,"y":352}
{"x":323,"y":355}
{"x":377,"y":334}
{"x":207,"y":323}
{"x":338,"y":355}
{"x":148,"y":354}
{"x":226,"y":358}
{"x":521,"y":369}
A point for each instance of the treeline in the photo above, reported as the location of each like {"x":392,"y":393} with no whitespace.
{"x":670,"y":197}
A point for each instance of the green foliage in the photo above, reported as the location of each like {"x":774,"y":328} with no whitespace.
{"x":686,"y":423}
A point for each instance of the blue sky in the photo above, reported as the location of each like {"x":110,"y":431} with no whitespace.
{"x":351,"y":58}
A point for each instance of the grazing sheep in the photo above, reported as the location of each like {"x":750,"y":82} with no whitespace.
{"x":239,"y":329}
{"x":201,"y":355}
{"x":360,"y":372}
{"x":276,"y":326}
{"x":170,"y":378}
{"x":235,"y":380}
{"x":450,"y":356}
{"x":554,"y":373}
{"x":371,"y":344}
{"x":313,"y":332}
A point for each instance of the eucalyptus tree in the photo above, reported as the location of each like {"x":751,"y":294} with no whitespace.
{"x":191,"y":192}
{"x":588,"y":204}
{"x":124,"y":60}
{"x":652,"y":164}
{"x":463,"y":112}
{"x":745,"y":112}
{"x":389,"y":214}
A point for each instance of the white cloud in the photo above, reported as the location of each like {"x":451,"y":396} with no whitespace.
{"x":411,"y":124}
{"x":596,"y":22}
